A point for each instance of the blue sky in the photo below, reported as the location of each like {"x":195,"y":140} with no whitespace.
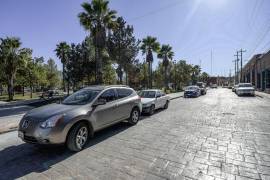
{"x":192,"y":27}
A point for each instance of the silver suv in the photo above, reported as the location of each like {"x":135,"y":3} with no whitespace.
{"x":80,"y":115}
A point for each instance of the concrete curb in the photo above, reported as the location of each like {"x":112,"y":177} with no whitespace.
{"x":11,"y":129}
{"x":176,"y":97}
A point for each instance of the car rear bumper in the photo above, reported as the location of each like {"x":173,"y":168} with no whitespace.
{"x":146,"y":109}
{"x":246,"y":93}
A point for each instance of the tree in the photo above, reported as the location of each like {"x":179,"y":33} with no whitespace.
{"x":183,"y":73}
{"x":28,"y":69}
{"x":196,"y":70}
{"x":204,"y":77}
{"x":150,"y":45}
{"x":165,"y":54}
{"x":10,"y":61}
{"x":98,"y":19}
{"x":87,"y":56}
{"x":52,"y":74}
{"x":62,"y":52}
{"x":123,"y":48}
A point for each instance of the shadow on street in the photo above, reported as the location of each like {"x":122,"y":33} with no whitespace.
{"x":18,"y":161}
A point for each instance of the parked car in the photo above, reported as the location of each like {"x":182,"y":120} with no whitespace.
{"x":214,"y":86}
{"x":80,"y":115}
{"x":50,"y":94}
{"x":234,"y":88}
{"x":192,"y":91}
{"x":245,"y":89}
{"x":202,"y":87}
{"x":153,"y":99}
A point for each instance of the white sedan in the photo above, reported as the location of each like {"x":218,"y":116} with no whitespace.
{"x":153,"y":99}
{"x":245,"y":89}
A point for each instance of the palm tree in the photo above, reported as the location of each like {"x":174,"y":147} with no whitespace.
{"x":196,"y":70}
{"x":62,"y":52}
{"x":10,"y":61}
{"x":150,"y":45}
{"x":166,"y":54}
{"x":98,"y":19}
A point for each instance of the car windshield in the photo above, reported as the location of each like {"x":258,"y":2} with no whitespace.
{"x":147,"y":94}
{"x":81,"y":97}
{"x":245,"y":85}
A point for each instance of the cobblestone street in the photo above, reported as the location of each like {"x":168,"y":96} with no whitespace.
{"x":216,"y":136}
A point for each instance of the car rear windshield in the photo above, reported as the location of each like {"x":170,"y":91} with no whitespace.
{"x":245,"y":85}
{"x":191,"y":88}
{"x":147,"y":94}
{"x":81,"y":97}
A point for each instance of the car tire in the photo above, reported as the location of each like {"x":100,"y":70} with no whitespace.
{"x":152,"y":110}
{"x":78,"y":137}
{"x":166,"y":105}
{"x":134,"y":116}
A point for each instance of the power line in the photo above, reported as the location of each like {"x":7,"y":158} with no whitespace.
{"x":260,"y":41}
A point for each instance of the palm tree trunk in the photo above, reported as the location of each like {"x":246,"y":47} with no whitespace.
{"x":23,"y":89}
{"x":63,"y":74}
{"x":149,"y":74}
{"x":31,"y":90}
{"x":1,"y":89}
{"x":166,"y":77}
{"x":99,"y":67}
{"x":10,"y":87}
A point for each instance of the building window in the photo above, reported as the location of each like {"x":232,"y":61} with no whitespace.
{"x":268,"y":78}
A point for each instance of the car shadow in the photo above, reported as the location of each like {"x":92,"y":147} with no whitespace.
{"x":145,"y":116}
{"x":18,"y":161}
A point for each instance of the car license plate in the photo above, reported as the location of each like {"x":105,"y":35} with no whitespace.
{"x":20,"y":134}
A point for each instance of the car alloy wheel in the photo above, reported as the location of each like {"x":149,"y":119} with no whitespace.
{"x":81,"y":137}
{"x":135,"y":116}
{"x":152,"y":109}
{"x":166,"y":105}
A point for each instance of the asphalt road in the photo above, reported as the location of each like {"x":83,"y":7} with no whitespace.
{"x":216,"y":136}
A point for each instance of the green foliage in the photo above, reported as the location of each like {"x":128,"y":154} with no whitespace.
{"x":11,"y":58}
{"x":166,"y":54}
{"x":52,"y":74}
{"x":123,"y":48}
{"x":150,"y":45}
{"x":98,"y":19}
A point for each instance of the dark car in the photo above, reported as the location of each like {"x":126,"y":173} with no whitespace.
{"x":192,"y":91}
{"x":202,"y":87}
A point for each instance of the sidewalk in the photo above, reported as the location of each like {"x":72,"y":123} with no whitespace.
{"x":262,"y":94}
{"x":4,"y":104}
{"x":176,"y":95}
{"x":9,"y":123}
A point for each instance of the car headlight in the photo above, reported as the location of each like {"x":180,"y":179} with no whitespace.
{"x":51,"y":122}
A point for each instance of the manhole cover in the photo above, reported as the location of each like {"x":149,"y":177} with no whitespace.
{"x":228,"y":114}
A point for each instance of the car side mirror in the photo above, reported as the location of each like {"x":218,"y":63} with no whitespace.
{"x":99,"y":102}
{"x":158,"y":96}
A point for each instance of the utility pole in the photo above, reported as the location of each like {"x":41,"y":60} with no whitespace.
{"x":175,"y":87}
{"x":235,"y":71}
{"x":241,"y":63}
{"x":230,"y":78}
{"x":211,"y":62}
{"x":237,"y":66}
